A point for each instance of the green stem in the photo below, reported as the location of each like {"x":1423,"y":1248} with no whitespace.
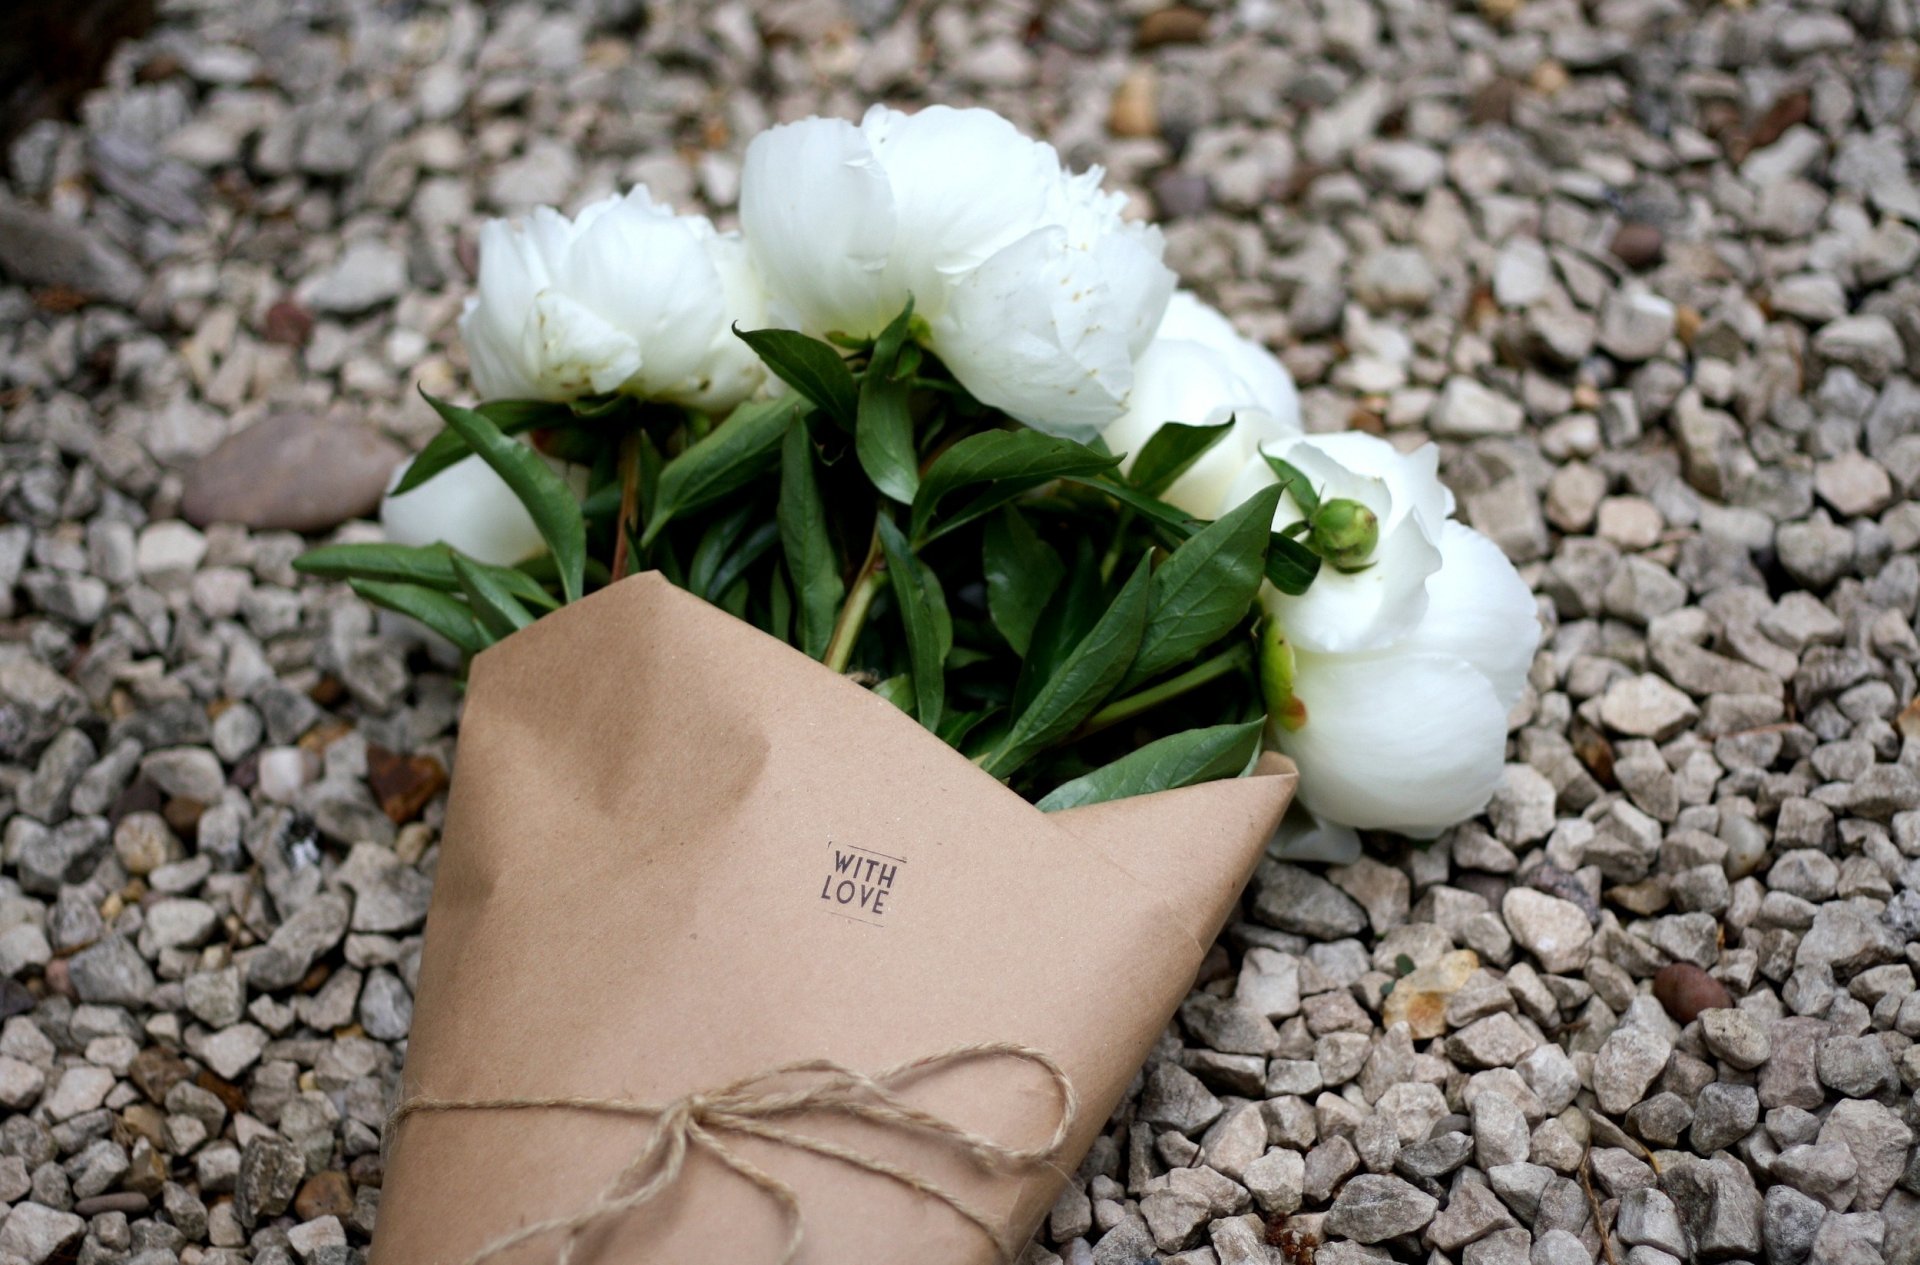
{"x":629,"y":466}
{"x":1236,"y":659}
{"x":853,"y":616}
{"x":1112,"y":558}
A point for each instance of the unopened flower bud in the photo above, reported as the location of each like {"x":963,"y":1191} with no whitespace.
{"x":1345,"y":533}
{"x":1276,"y":678}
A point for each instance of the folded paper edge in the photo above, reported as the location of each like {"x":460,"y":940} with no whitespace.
{"x":506,"y":655}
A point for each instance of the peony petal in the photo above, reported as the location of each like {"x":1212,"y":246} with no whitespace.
{"x":647,"y":274}
{"x":1204,"y":489}
{"x":1192,"y":373}
{"x":1480,"y":610}
{"x":1378,"y":605}
{"x":1404,"y":742}
{"x":1026,"y":333}
{"x":951,"y":219}
{"x":467,"y":506}
{"x":578,"y":353}
{"x":819,"y":217}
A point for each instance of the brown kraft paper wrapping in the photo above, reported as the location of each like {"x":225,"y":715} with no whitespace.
{"x":639,"y":897}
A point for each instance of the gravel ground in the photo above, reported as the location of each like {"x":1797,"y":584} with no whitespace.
{"x":1641,"y":267}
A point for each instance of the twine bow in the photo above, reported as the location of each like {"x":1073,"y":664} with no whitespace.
{"x":754,"y":1107}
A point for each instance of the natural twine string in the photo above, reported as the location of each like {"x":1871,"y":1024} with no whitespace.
{"x":751,"y":1107}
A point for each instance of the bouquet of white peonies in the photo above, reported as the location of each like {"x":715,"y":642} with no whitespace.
{"x":783,"y":557}
{"x":938,"y":417}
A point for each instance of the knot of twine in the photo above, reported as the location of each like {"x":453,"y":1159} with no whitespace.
{"x":754,"y":1107}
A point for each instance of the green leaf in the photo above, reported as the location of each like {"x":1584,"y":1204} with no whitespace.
{"x":448,"y":447}
{"x":1171,"y":452}
{"x":1296,"y":484}
{"x":1291,"y":566}
{"x":759,"y":542}
{"x":897,"y":690}
{"x":431,"y":565}
{"x":1177,"y":522}
{"x":883,"y":438}
{"x":442,"y":612}
{"x":1066,"y":618}
{"x":549,"y":501}
{"x":738,"y":451}
{"x":1083,"y":681}
{"x":811,"y":560}
{"x":428,"y":565}
{"x":1022,"y":574}
{"x":779,"y":606}
{"x":1182,"y":759}
{"x":715,"y":544}
{"x":1010,"y":458}
{"x":1203,"y":589}
{"x":497,"y":609}
{"x":955,"y":726}
{"x":883,"y":434}
{"x":923,"y":612}
{"x":809,"y":366}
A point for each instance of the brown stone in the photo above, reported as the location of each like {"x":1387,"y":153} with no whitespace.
{"x":142,"y":1120}
{"x":1686,"y":990}
{"x":1638,"y":245}
{"x":292,"y":472}
{"x":1136,"y":108}
{"x":1908,"y":722}
{"x":288,"y":324}
{"x":1419,"y":999}
{"x":1175,"y":24}
{"x":183,"y":815}
{"x":404,"y":784}
{"x":367,"y":1170}
{"x":327,"y":1194}
{"x":156,"y":1070}
{"x":225,"y":1090}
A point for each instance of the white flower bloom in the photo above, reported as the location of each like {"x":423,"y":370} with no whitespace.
{"x":467,"y":506}
{"x":1034,"y":291}
{"x":1411,"y":736}
{"x":1347,"y":611}
{"x":1200,"y":371}
{"x":626,"y":297}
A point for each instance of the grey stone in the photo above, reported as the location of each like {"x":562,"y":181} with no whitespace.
{"x":112,"y":973}
{"x":1627,"y":1063}
{"x":1878,"y":1141}
{"x":1791,"y":1219}
{"x":36,"y":1234}
{"x":1293,"y":899}
{"x":1736,"y":1036}
{"x":42,"y":250}
{"x":1718,"y":1205}
{"x":1175,"y":1099}
{"x":270,"y":1172}
{"x":286,"y":957}
{"x":1647,"y":1217}
{"x":1722,"y":1115}
{"x":1376,"y":1206}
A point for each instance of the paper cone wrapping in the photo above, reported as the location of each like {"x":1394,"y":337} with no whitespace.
{"x":679,"y":852}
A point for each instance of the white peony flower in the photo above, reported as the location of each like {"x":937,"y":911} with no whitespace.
{"x":1405,"y":730}
{"x":626,"y":297}
{"x":1033,"y":289}
{"x":1346,"y":611}
{"x":467,"y":506}
{"x":1200,"y":371}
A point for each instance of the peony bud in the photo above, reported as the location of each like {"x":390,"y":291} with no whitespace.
{"x":1284,"y":708}
{"x":1345,"y":533}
